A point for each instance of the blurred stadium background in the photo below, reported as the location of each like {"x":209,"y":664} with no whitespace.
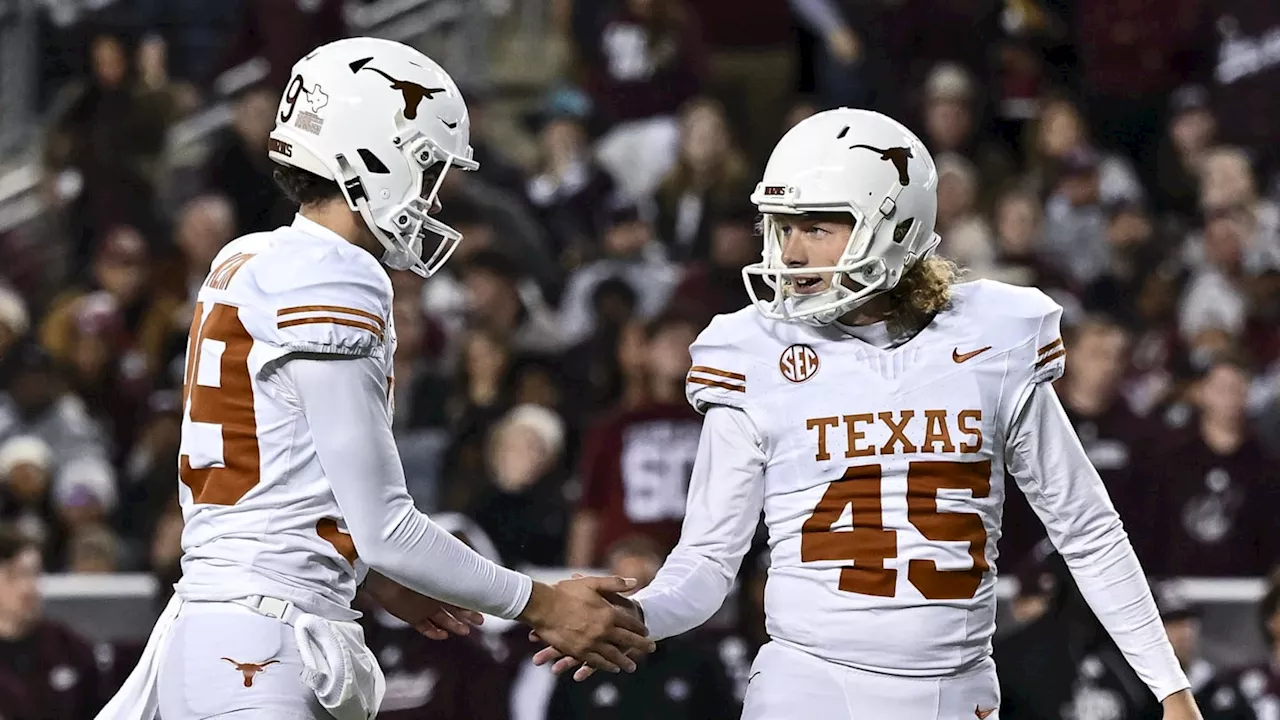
{"x":1120,"y":154}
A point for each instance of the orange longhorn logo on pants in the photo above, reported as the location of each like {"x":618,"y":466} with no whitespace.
{"x":250,"y":669}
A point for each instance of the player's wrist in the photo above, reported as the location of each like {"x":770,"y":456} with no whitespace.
{"x":538,"y":607}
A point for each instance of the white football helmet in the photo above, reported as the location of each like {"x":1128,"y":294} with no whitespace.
{"x":378,"y":117}
{"x":847,"y":161}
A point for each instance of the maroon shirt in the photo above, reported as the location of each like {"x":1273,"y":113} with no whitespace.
{"x":49,"y":673}
{"x":454,"y":679}
{"x":629,"y":83}
{"x":1210,"y":515}
{"x":635,"y":473}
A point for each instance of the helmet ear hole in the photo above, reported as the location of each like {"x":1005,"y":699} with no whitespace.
{"x":903,"y":229}
{"x":372,"y":163}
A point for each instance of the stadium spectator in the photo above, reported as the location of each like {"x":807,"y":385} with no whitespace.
{"x":1133,"y":255}
{"x":1208,"y":490}
{"x":631,"y":252}
{"x":523,"y":507}
{"x":751,"y":65}
{"x":1190,"y":133}
{"x":46,"y":671}
{"x":108,"y":136}
{"x":567,"y":188}
{"x":205,"y":224}
{"x":647,"y":60}
{"x":636,"y":464}
{"x":710,"y":176}
{"x":1228,"y":185}
{"x":1075,"y":237}
{"x":1059,"y":131}
{"x":122,"y":269}
{"x":951,"y":125}
{"x":36,"y":404}
{"x":26,"y":466}
{"x":1242,"y":75}
{"x":714,"y":286}
{"x":966,"y":235}
{"x":238,"y":164}
{"x":1020,"y":259}
{"x":502,"y":301}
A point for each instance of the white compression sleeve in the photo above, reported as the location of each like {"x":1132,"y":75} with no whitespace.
{"x":726,"y":494}
{"x":1048,"y":462}
{"x":342,"y":401}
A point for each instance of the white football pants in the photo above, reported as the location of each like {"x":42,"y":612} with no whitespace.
{"x":227,"y":661}
{"x":787,"y":684}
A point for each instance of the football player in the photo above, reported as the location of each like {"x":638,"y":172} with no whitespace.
{"x":872,"y":408}
{"x":291,"y":487}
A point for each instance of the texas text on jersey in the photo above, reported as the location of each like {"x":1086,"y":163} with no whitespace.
{"x":872,"y":409}
{"x":885,"y":474}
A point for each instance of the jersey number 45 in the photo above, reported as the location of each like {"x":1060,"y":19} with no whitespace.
{"x":869,"y":544}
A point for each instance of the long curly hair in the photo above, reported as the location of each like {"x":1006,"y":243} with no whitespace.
{"x":923,"y":291}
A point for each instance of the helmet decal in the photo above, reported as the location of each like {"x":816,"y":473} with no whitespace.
{"x":317,"y":100}
{"x":412,"y":92}
{"x":896,"y":155}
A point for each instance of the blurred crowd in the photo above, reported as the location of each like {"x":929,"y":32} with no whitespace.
{"x":1121,"y":156}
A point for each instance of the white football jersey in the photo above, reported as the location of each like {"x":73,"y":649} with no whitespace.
{"x":884,"y":480}
{"x":261,"y":518}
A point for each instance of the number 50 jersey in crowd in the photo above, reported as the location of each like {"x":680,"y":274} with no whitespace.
{"x":261,"y":518}
{"x":884,"y":480}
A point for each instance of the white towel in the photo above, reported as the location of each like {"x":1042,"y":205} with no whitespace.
{"x":137,"y":699}
{"x":339,"y":667}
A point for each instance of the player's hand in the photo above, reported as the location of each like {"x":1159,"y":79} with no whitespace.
{"x":579,"y":619}
{"x":564,"y":663}
{"x":433,"y":618}
{"x":1181,"y":706}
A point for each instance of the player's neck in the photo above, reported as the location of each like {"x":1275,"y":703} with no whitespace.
{"x":873,"y":311}
{"x":334,"y":215}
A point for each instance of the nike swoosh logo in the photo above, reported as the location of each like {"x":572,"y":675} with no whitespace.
{"x":958,"y":358}
{"x":982,"y":714}
{"x":450,"y":125}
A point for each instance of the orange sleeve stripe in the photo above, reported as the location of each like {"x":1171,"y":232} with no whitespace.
{"x":331,"y":321}
{"x":1050,"y":358}
{"x":717,"y":383}
{"x":1050,"y":346}
{"x":379,"y":322}
{"x":718,"y":373}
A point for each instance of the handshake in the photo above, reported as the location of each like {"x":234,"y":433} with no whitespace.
{"x":585,"y":621}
